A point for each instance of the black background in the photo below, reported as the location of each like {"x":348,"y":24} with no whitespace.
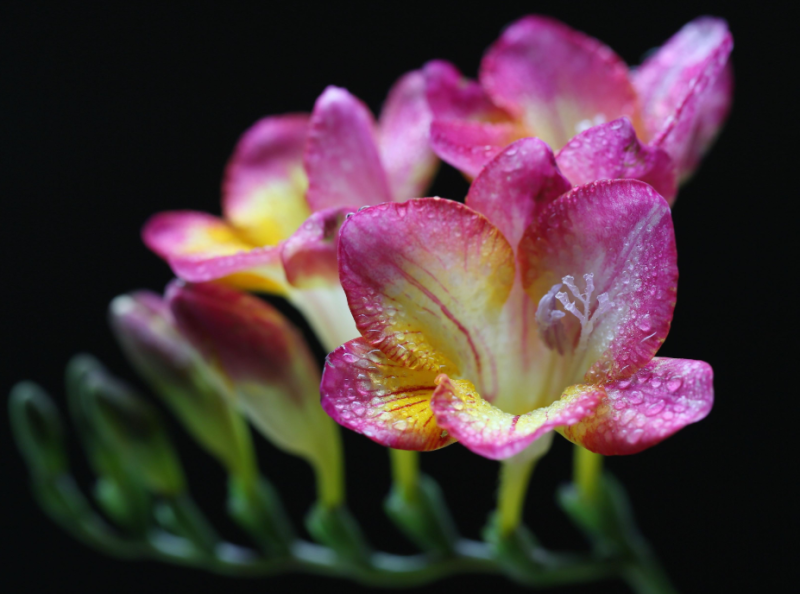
{"x":114,"y":111}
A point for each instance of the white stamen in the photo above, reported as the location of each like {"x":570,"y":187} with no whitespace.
{"x":547,"y":316}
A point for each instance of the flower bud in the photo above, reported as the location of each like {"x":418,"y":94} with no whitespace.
{"x":146,"y":331}
{"x":268,"y":365}
{"x":133,"y":429}
{"x":38,"y":431}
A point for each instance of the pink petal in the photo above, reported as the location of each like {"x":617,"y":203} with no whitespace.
{"x":404,"y":126}
{"x":249,"y":339}
{"x":341,"y":159}
{"x":200,"y":248}
{"x":144,"y":327}
{"x":381,"y":399}
{"x":309,"y":256}
{"x":683,"y":103}
{"x":612,"y":151}
{"x":516,"y":185}
{"x":556,"y":80}
{"x":492,"y":433}
{"x":620,"y":232}
{"x":452,"y":96}
{"x":265,"y":184}
{"x":424,"y":280}
{"x":270,"y":373}
{"x":468,"y":146}
{"x":643,"y":410}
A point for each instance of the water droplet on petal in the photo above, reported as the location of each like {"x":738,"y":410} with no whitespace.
{"x":674,"y":384}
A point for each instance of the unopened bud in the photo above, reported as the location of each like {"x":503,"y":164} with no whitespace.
{"x":146,"y":331}
{"x":37,"y":430}
{"x":133,"y":428}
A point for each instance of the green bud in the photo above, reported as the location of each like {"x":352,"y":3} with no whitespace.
{"x":424,"y":519}
{"x":121,"y":427}
{"x":514,"y":551}
{"x":146,"y":332}
{"x":337,"y":529}
{"x":257,"y":508}
{"x":38,"y":431}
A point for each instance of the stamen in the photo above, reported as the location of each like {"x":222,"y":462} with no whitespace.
{"x":547,"y":316}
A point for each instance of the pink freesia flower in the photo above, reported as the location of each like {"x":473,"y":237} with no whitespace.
{"x":287,"y":187}
{"x":526,"y":310}
{"x":544,"y":79}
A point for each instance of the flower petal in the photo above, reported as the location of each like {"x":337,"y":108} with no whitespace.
{"x":492,"y":433}
{"x":683,"y":103}
{"x":516,"y":185}
{"x":404,"y":127}
{"x":341,"y":159}
{"x":556,"y":80}
{"x":621,"y":232}
{"x":146,"y":331}
{"x":264,"y":190}
{"x":643,"y":410}
{"x":424,"y":280}
{"x":327,"y":312}
{"x":248,"y":338}
{"x":200,"y":247}
{"x":453,"y":96}
{"x":468,"y":146}
{"x":612,"y":151}
{"x":384,"y":400}
{"x":270,"y":369}
{"x":309,"y":256}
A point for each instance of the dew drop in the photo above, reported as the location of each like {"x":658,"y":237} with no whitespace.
{"x":674,"y":384}
{"x":654,"y":408}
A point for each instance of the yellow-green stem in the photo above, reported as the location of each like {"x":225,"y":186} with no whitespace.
{"x":514,"y":477}
{"x":587,"y":468}
{"x":244,"y":465}
{"x":329,"y":468}
{"x":405,"y":472}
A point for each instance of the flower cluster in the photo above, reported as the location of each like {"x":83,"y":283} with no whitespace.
{"x":541,"y":304}
{"x":538,"y":304}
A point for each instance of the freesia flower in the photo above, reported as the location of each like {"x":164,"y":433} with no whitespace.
{"x":287,"y":187}
{"x":546,"y":80}
{"x":524,"y":311}
{"x":267,"y":366}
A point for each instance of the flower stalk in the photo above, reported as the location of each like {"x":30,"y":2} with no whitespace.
{"x":405,"y":473}
{"x":587,"y":473}
{"x":514,"y":478}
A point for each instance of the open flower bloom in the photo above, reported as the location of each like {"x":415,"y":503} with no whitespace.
{"x":287,"y":187}
{"x":526,"y":310}
{"x":544,"y":79}
{"x":267,"y":368}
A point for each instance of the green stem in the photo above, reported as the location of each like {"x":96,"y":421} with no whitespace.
{"x":587,"y":470}
{"x":68,"y":506}
{"x":329,"y":468}
{"x":405,"y":473}
{"x":244,"y":465}
{"x":515,"y":474}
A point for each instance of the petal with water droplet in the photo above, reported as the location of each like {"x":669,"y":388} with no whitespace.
{"x":369,"y":393}
{"x":200,"y":247}
{"x":443,"y":278}
{"x":556,"y":80}
{"x":621,"y":233}
{"x":628,"y":420}
{"x":495,"y":434}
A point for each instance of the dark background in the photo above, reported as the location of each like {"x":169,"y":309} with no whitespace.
{"x":111,"y":112}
